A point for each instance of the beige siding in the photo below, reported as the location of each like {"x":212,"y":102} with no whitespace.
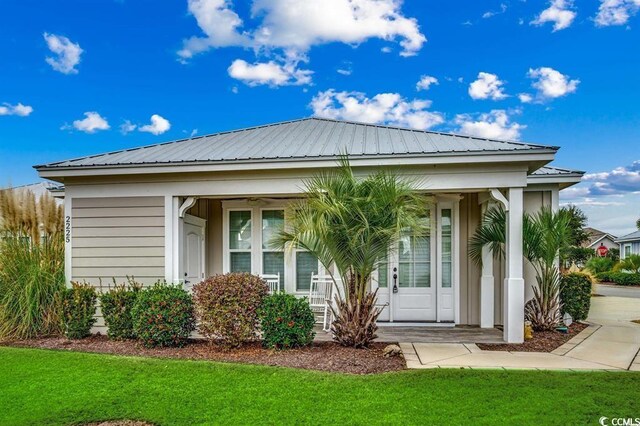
{"x":118,"y":237}
{"x":469,"y":271}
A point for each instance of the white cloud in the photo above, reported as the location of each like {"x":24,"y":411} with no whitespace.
{"x":18,"y":109}
{"x":493,"y":125}
{"x":550,"y":84}
{"x":487,"y":86}
{"x":559,"y":12}
{"x":220,"y":25}
{"x":90,"y":124}
{"x":616,"y":12}
{"x":525,"y":98}
{"x":492,"y":13}
{"x":299,"y":25}
{"x":127,"y":127}
{"x":620,"y":180}
{"x":68,"y":53}
{"x":425,"y":82}
{"x":383,"y":108}
{"x":269,"y":73}
{"x":158,"y":125}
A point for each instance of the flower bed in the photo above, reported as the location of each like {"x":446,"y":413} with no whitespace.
{"x":323,"y":356}
{"x":543,"y":341}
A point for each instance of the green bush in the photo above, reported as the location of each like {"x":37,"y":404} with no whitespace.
{"x":117,"y":305}
{"x":597,"y":265}
{"x":286,"y":321}
{"x":575,"y":295}
{"x":78,"y":310}
{"x":163,"y":316}
{"x":227,"y":307}
{"x":620,"y":278}
{"x":631,"y":264}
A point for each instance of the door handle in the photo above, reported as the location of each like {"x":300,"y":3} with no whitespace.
{"x":395,"y":280}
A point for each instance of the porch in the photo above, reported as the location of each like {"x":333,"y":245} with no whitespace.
{"x":425,"y":334}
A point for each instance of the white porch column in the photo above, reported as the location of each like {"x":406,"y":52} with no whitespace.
{"x":487,"y":282}
{"x":514,"y":281}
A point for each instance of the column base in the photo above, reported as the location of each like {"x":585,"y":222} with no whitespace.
{"x":513,"y":310}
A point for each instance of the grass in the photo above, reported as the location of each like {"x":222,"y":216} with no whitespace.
{"x":56,"y":387}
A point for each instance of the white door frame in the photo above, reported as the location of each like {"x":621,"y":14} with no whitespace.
{"x":446,"y":201}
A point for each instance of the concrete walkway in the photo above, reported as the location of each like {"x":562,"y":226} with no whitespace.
{"x":611,"y":342}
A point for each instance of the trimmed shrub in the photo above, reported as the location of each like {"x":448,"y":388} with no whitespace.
{"x":227,"y":307}
{"x":117,"y":304}
{"x":163,"y":316}
{"x":575,"y":295}
{"x":620,"y":278}
{"x":598,"y":265}
{"x":78,"y":310}
{"x":286,"y":322}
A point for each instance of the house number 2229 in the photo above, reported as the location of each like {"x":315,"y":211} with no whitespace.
{"x":67,"y":229}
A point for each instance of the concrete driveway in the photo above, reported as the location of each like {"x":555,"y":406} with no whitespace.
{"x":612,"y":342}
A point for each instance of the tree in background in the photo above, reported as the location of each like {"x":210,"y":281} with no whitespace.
{"x":574,"y":252}
{"x":638,"y":224}
{"x":577,"y":223}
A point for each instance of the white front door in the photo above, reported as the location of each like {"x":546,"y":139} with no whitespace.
{"x":193,"y":249}
{"x":413,"y":287}
{"x":417,"y":283}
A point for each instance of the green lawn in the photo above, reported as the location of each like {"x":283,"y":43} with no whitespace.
{"x":49,"y":387}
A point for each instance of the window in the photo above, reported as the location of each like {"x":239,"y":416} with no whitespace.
{"x":414,"y":254}
{"x":627,"y":250}
{"x":446,"y":248}
{"x":383,"y":273}
{"x":272,"y":260}
{"x":240,"y":241}
{"x":306,"y":265}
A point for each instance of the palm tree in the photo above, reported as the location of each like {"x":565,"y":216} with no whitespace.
{"x":545,"y":234}
{"x":351,"y":223}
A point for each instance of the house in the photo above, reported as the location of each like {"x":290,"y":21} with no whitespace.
{"x":599,"y":238}
{"x":629,"y":244}
{"x":190,"y":208}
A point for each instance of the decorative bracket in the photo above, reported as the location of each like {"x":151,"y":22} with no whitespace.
{"x":186,"y":205}
{"x":499,"y":197}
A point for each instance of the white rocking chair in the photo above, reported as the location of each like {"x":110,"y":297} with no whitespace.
{"x":273,"y":281}
{"x":320,"y":298}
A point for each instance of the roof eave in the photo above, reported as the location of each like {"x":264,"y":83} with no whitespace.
{"x":539,"y":155}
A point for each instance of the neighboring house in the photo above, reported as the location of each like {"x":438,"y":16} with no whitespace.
{"x":599,"y":238}
{"x":187,"y":209}
{"x":629,"y":244}
{"x":41,"y":188}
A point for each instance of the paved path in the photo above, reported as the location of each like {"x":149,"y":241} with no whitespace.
{"x":612,"y":342}
{"x":617,"y":290}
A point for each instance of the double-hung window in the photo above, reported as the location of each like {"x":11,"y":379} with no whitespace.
{"x":272,"y":258}
{"x":240,"y":241}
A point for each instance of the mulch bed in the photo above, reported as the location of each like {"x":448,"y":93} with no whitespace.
{"x":323,"y":356}
{"x":542,"y":341}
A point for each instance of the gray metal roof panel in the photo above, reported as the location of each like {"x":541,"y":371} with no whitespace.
{"x":555,"y":171}
{"x":305,"y":138}
{"x":630,"y":237}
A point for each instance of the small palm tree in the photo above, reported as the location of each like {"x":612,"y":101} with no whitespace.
{"x":545,"y":234}
{"x":630,"y":263}
{"x":351,"y":223}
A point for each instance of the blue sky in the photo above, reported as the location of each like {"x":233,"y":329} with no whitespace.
{"x":562,"y":73}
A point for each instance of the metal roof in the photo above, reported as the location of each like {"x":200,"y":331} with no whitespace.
{"x":634,"y":236}
{"x":555,"y":171}
{"x":309,"y":138}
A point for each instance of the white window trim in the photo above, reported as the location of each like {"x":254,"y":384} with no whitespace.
{"x":257,"y":207}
